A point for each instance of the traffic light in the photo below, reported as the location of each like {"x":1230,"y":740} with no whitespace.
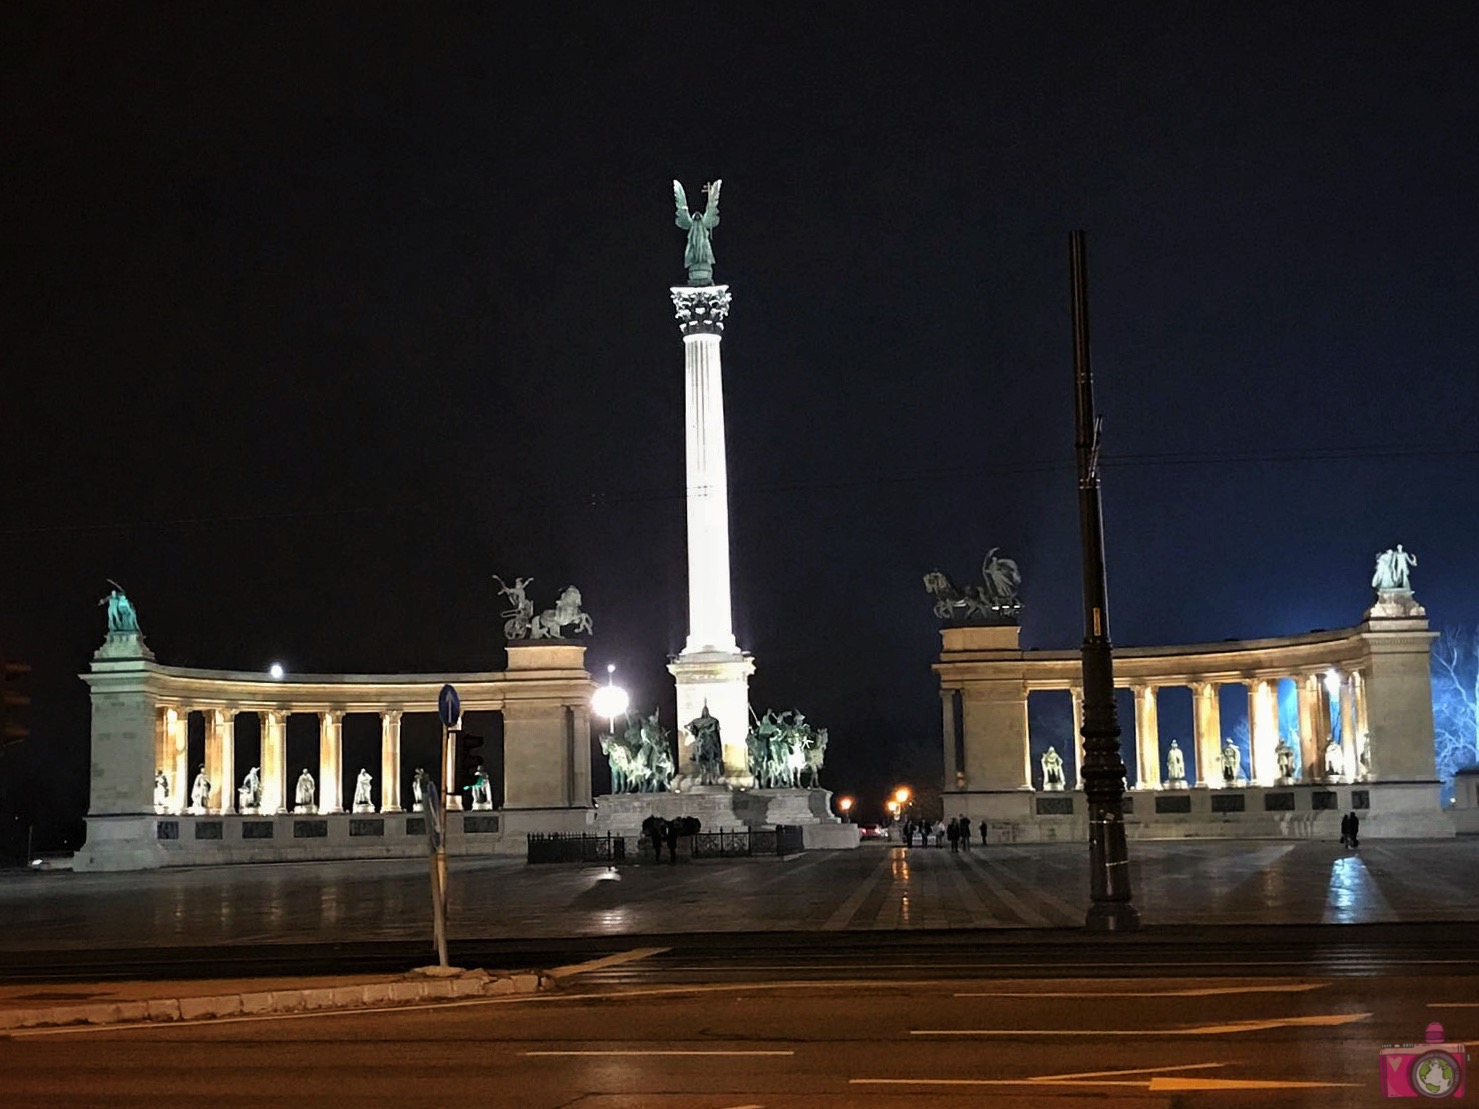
{"x":468,"y":759}
{"x":12,"y":729}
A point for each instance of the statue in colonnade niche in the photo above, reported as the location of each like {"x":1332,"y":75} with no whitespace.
{"x":1393,"y":570}
{"x":1334,"y":760}
{"x":123,"y":618}
{"x":249,"y":795}
{"x":1284,"y":755}
{"x":1363,"y":755}
{"x":200,"y":792}
{"x":1232,"y":764}
{"x":363,"y":802}
{"x":481,"y":789}
{"x":304,"y":792}
{"x":417,"y":780}
{"x":1175,"y":766}
{"x":1052,"y":769}
{"x":161,"y":790}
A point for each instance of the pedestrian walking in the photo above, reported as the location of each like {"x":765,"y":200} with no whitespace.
{"x":953,"y":832}
{"x":965,"y":833}
{"x":939,"y":833}
{"x":672,"y":830}
{"x":1355,"y":831}
{"x":983,"y":833}
{"x":1345,"y":830}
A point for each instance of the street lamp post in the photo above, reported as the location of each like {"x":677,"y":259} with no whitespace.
{"x":1110,"y":909}
{"x":845,"y":804}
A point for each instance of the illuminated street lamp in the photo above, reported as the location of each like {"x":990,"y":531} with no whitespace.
{"x":902,"y":795}
{"x":845,"y":804}
{"x":276,"y":671}
{"x":610,"y":700}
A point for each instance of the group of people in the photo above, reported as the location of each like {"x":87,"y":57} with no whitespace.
{"x":957,"y":833}
{"x":1350,"y":830}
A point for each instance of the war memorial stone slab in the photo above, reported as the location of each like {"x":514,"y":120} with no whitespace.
{"x":367,"y":827}
{"x":1175,"y":803}
{"x":208,"y":829}
{"x":256,"y":829}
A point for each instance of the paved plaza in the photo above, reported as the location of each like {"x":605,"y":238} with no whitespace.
{"x":875,"y":887}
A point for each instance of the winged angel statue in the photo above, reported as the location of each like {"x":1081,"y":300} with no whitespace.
{"x":698,"y":256}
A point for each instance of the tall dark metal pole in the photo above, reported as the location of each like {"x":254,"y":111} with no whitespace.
{"x":1103,"y":770}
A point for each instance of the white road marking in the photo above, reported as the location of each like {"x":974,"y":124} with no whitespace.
{"x":549,"y":1054}
{"x":1209,"y":991}
{"x":1324,"y":1021}
{"x":1453,"y":1004}
{"x":607,"y":961}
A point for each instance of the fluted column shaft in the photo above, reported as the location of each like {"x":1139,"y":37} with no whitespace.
{"x":1076,"y":697}
{"x":710,"y":625}
{"x":220,"y":759}
{"x":274,"y":761}
{"x":330,"y":758}
{"x":390,"y":761}
{"x":1207,"y":722}
{"x":1147,"y":738}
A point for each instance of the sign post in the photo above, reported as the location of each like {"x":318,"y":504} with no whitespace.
{"x":449,"y":708}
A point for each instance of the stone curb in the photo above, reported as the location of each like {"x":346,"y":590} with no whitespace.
{"x":412,"y":989}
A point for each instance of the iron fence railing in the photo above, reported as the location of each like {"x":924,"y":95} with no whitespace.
{"x":559,"y":848}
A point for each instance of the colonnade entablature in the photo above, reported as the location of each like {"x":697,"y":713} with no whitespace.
{"x":1371,"y":678}
{"x":141,"y":710}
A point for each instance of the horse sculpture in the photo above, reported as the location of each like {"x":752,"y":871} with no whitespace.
{"x":550,"y":623}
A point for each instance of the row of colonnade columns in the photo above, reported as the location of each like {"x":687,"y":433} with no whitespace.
{"x":172,"y":746}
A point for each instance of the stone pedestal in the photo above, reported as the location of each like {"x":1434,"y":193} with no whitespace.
{"x":720,"y":680}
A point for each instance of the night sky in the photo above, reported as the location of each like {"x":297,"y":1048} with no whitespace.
{"x":318,"y":316}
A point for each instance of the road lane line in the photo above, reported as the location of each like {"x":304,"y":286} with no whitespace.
{"x":1210,"y":991}
{"x":1167,"y":1084}
{"x":545,"y":1055}
{"x":1123,"y":1073}
{"x":1453,"y":1004}
{"x":1320,"y":1021}
{"x":607,"y":961}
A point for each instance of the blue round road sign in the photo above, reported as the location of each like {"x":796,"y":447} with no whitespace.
{"x":449,"y":706}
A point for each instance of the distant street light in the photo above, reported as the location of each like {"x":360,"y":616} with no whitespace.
{"x":275,"y":670}
{"x":845,"y":804}
{"x":610,"y":700}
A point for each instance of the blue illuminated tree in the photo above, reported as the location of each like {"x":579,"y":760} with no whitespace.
{"x":1455,"y":672}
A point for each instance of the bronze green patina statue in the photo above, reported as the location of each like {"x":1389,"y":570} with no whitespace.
{"x":698,"y":256}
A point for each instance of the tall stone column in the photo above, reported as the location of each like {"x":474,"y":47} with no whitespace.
{"x":1263,"y":733}
{"x":1398,"y":690}
{"x":274,"y":760}
{"x":1207,"y":724}
{"x":220,"y":758}
{"x":955,"y":773}
{"x":1147,"y":738}
{"x":1309,"y":730}
{"x":1348,"y":747}
{"x":711,"y":669}
{"x":330,"y":762}
{"x":184,"y":774}
{"x":1076,"y":696}
{"x":390,"y":761}
{"x":164,"y":748}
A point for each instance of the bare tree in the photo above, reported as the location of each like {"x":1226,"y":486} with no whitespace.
{"x":1455,"y":673}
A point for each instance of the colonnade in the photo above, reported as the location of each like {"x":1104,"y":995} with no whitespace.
{"x":1373,"y":679}
{"x":172,"y":756}
{"x":1204,"y":757}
